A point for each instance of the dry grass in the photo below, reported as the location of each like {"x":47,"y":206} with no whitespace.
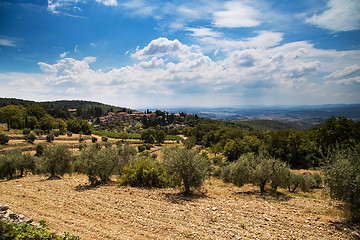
{"x":218,"y":211}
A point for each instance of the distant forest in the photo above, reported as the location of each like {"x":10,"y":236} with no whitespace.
{"x":60,"y":109}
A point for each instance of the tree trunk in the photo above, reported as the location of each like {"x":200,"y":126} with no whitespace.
{"x":262,"y":186}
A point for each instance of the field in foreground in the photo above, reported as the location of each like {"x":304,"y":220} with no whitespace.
{"x":223,"y":212}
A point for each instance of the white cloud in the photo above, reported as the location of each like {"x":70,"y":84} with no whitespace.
{"x":62,"y":55}
{"x":139,"y":7}
{"x":340,"y":15}
{"x":348,"y":71}
{"x":264,"y":39}
{"x":180,"y":72}
{"x":346,"y":81}
{"x":203,"y":32}
{"x":7,"y":42}
{"x":108,"y":2}
{"x":235,"y":15}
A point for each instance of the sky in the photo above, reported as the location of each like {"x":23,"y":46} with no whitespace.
{"x":152,"y":53}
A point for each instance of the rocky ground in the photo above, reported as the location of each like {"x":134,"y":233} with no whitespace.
{"x":222,"y":211}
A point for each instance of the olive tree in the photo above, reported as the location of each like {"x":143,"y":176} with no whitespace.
{"x":56,"y":160}
{"x":187,"y":168}
{"x":258,"y":169}
{"x":342,"y":178}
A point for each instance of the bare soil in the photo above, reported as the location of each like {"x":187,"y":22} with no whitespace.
{"x":221,"y":211}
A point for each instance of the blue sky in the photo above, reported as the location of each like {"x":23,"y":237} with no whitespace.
{"x":150,"y":53}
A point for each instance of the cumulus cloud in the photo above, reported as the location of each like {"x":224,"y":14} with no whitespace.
{"x":236,"y":14}
{"x":180,"y":72}
{"x":339,"y":15}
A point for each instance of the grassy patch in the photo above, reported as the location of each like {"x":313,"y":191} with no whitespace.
{"x":117,"y":135}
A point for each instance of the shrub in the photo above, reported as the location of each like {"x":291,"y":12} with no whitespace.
{"x":148,"y":146}
{"x":3,"y":138}
{"x":97,"y":164}
{"x":39,"y":150}
{"x":69,"y":134}
{"x":218,"y":161}
{"x":50,"y":138}
{"x":13,"y":164}
{"x":294,"y":181}
{"x":127,"y":154}
{"x":38,"y":132}
{"x":56,"y":160}
{"x":307,"y":183}
{"x":144,"y":172}
{"x":256,"y":169}
{"x":104,"y":139}
{"x":31,"y":137}
{"x":56,"y":133}
{"x":186,"y":167}
{"x":94,"y":139}
{"x":26,"y":131}
{"x":81,"y":139}
{"x":342,"y":179}
{"x":7,"y":164}
{"x":141,"y":148}
{"x":28,"y":231}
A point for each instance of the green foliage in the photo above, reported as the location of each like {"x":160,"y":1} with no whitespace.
{"x":160,"y":136}
{"x":104,"y":138}
{"x":56,"y":133}
{"x":61,"y":126}
{"x":26,"y":131}
{"x":256,"y":169}
{"x":32,"y":122}
{"x":78,"y":125}
{"x":118,"y":135}
{"x":56,"y":160}
{"x":39,"y":150}
{"x":148,"y":135}
{"x":342,"y":178}
{"x":31,"y":137}
{"x":97,"y":164}
{"x":13,"y":115}
{"x":294,"y":181}
{"x":50,"y":137}
{"x":186,"y":167}
{"x":144,"y":172}
{"x":36,"y":111}
{"x":189,"y":142}
{"x":338,"y":132}
{"x":3,"y":138}
{"x":141,"y":148}
{"x":38,"y":132}
{"x":47,"y":123}
{"x":13,"y":164}
{"x":127,"y":154}
{"x":24,"y":231}
{"x":94,"y":139}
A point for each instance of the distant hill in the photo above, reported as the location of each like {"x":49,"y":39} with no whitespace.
{"x":268,"y":124}
{"x":59,"y":109}
{"x":297,"y":117}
